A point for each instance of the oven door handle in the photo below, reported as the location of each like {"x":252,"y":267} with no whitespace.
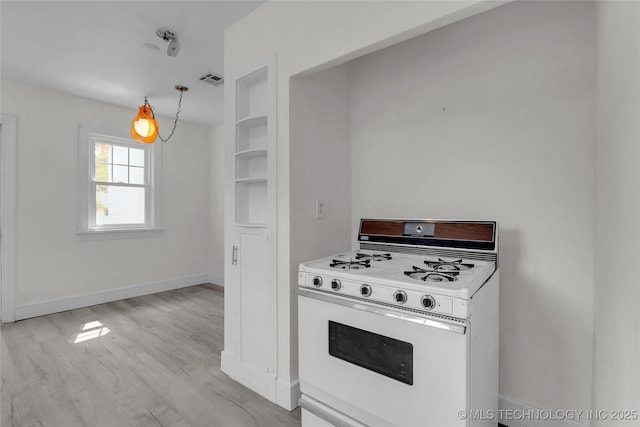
{"x":356,"y":304}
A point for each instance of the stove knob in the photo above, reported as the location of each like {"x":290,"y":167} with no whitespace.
{"x":336,"y":285}
{"x":428,"y":302}
{"x":365,"y":290}
{"x":400,"y":297}
{"x":317,"y":281}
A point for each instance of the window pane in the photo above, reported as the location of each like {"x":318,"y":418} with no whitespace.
{"x":119,"y":205}
{"x":103,"y":153}
{"x":103,"y":172}
{"x":120,"y":155}
{"x":120,"y":174}
{"x":100,"y":198}
{"x":136,"y":175}
{"x":136,"y":157}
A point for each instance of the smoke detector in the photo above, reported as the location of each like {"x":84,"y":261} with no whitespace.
{"x":169,"y":36}
{"x":212,"y":79}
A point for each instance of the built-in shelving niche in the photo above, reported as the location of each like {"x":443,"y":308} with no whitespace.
{"x":251,"y":311}
{"x":251,"y":150}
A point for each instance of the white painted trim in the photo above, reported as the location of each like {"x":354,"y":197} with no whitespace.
{"x":8,"y":216}
{"x":287,"y":394}
{"x":517,"y":414}
{"x":228,"y":363}
{"x":119,"y":234}
{"x":216,"y":279}
{"x":263,"y":383}
{"x":86,"y":300}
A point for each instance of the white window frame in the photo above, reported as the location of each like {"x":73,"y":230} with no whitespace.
{"x":87,"y":228}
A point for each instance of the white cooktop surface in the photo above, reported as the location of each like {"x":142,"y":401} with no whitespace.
{"x":391,"y":273}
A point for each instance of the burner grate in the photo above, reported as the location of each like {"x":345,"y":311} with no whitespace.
{"x":373,"y":257}
{"x":432,"y":275}
{"x":430,"y":251}
{"x":351,"y":264}
{"x":449,"y":266}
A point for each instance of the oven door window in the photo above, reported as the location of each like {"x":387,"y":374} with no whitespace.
{"x":378,"y":353}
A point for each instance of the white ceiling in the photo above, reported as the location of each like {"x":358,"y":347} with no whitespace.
{"x":96,"y":49}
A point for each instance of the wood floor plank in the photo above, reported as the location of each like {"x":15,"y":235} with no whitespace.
{"x":147,"y":361}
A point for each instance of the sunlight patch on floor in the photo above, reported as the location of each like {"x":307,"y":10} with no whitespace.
{"x":92,"y":330}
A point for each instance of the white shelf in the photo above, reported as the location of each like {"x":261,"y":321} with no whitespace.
{"x":252,"y":164}
{"x":251,"y":224}
{"x":251,"y":153}
{"x":253,"y":121}
{"x":252,"y":134}
{"x":251,"y":180}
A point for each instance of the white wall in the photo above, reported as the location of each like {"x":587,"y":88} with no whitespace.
{"x":306,"y":35}
{"x":217,"y":187}
{"x":617,"y":239}
{"x":493,"y":118}
{"x":52,"y":262}
{"x":320,"y":135}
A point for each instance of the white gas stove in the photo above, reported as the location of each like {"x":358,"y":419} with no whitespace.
{"x":411,"y":316}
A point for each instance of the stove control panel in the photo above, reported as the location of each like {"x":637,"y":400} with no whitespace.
{"x":405,"y":298}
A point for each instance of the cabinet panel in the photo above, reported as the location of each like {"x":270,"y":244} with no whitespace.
{"x":256,"y":300}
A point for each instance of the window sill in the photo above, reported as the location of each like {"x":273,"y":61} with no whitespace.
{"x":116,"y":234}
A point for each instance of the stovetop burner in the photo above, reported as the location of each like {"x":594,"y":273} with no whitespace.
{"x":448,"y":266}
{"x":432,"y":275}
{"x":373,"y":257}
{"x":351,"y":264}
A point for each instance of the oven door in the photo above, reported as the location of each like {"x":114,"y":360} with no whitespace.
{"x":379,"y":366}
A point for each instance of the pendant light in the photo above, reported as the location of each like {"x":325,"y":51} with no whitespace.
{"x":144,"y":127}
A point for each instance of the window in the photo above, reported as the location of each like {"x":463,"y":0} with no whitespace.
{"x":119,"y":185}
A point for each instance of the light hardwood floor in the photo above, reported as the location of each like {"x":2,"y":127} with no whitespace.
{"x":150,"y":361}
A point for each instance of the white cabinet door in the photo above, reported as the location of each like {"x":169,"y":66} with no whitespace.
{"x":258,"y":319}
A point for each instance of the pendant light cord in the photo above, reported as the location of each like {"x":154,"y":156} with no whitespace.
{"x":175,"y":123}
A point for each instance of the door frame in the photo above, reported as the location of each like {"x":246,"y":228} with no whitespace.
{"x":8,"y":150}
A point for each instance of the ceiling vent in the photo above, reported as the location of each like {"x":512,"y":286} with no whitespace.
{"x":213,"y":79}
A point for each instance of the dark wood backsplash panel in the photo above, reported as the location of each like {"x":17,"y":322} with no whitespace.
{"x":477,"y":232}
{"x":383,"y":228}
{"x":444,"y":230}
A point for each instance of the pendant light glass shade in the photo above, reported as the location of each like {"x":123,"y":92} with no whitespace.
{"x":144,"y":127}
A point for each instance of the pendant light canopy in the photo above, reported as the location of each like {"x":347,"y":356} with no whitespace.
{"x":144,"y":127}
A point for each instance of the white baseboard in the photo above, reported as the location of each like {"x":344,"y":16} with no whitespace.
{"x":517,"y":414}
{"x":216,"y":279}
{"x":86,"y":300}
{"x":266,"y":384}
{"x":287,"y":394}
